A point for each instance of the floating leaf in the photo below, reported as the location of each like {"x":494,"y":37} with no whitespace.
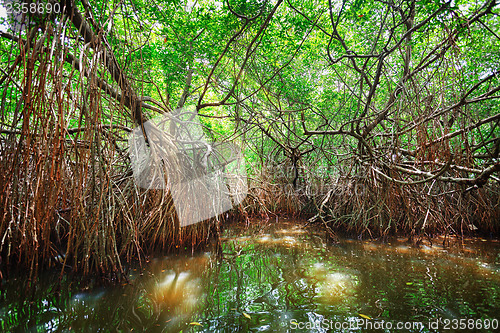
{"x":195,"y":323}
{"x":247,"y":315}
{"x":364,"y":316}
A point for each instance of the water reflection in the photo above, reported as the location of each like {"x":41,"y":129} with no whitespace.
{"x":265,"y":280}
{"x":179,"y":293}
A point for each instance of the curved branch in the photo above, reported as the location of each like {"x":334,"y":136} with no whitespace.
{"x":338,"y":132}
{"x":431,"y":177}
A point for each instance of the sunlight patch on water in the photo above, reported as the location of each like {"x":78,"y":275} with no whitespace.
{"x":333,"y":286}
{"x":88,"y":298}
{"x":178,"y":293}
{"x":402,"y":249}
{"x":264,"y":239}
{"x":370,"y":246}
{"x":286,"y":241}
{"x":337,"y":287}
{"x":296,"y":230}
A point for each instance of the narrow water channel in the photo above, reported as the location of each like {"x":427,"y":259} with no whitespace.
{"x":278,"y":278}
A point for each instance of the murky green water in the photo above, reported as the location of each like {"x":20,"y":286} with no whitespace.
{"x":278,"y":278}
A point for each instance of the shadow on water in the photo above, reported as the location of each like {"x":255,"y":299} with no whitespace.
{"x":278,"y":278}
